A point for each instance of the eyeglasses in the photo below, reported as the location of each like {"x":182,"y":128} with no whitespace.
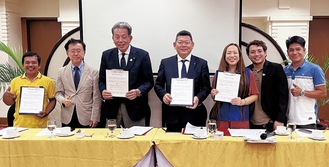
{"x":75,"y":51}
{"x":183,"y":42}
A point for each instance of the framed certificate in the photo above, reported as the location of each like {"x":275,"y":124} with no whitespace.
{"x":117,"y":82}
{"x":182,"y":92}
{"x":31,"y":100}
{"x":227,"y":85}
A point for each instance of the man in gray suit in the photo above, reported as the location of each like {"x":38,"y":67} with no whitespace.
{"x":77,"y":89}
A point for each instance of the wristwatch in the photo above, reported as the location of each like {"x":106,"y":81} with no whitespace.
{"x":302,"y":93}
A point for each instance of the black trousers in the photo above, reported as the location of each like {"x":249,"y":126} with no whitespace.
{"x":75,"y":122}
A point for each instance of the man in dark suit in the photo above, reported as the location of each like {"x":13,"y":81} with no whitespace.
{"x":176,"y":117}
{"x":272,"y":84}
{"x":133,"y":109}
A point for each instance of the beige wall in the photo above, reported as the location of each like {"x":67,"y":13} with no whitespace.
{"x":320,"y":7}
{"x":257,"y":8}
{"x":40,"y":8}
{"x":257,"y":12}
{"x":283,"y":18}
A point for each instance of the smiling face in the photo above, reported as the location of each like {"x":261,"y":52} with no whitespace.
{"x":31,"y":66}
{"x":121,"y":39}
{"x":76,"y":53}
{"x":257,"y":55}
{"x":183,"y":46}
{"x":296,"y":54}
{"x":232,"y":56}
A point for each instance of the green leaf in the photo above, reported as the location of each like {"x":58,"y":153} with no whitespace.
{"x":313,"y":59}
{"x":8,"y":72}
{"x":15,"y":54}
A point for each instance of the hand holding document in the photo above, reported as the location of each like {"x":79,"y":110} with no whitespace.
{"x":227,"y":85}
{"x":31,"y":100}
{"x":182,"y":92}
{"x":117,"y":82}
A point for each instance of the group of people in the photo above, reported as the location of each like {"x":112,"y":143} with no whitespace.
{"x":267,"y":91}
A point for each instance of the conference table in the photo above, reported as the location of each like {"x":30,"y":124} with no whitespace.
{"x":183,"y":150}
{"x":96,"y":151}
{"x":178,"y":149}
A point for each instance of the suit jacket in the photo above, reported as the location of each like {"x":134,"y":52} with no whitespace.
{"x":198,"y":70}
{"x":86,"y":98}
{"x":140,"y":77}
{"x":274,"y":92}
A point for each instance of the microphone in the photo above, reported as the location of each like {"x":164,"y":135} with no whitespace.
{"x":267,"y":134}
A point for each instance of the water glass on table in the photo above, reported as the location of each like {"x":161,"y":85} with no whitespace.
{"x":212,"y":128}
{"x":291,"y":126}
{"x":51,"y":126}
{"x":112,"y":124}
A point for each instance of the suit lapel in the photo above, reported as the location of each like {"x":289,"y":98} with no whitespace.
{"x":174,"y":66}
{"x":192,"y":66}
{"x":68,"y":72}
{"x":131,"y":58}
{"x":113,"y":60}
{"x":84,"y":75}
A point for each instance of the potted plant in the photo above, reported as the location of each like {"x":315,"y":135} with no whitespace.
{"x":7,"y":71}
{"x":325,"y":67}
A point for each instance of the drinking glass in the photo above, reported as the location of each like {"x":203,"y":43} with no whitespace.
{"x":291,"y":126}
{"x":212,"y":128}
{"x":112,"y":124}
{"x":51,"y":126}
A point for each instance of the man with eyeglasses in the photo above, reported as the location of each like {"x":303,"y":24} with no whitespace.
{"x":306,"y":82}
{"x":183,"y":65}
{"x":77,"y":89}
{"x":133,"y":109}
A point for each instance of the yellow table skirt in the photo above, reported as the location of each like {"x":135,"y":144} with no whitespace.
{"x":34,"y":151}
{"x":180,"y":150}
{"x":183,"y":150}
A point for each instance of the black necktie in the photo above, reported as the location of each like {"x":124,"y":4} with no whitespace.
{"x":183,"y":73}
{"x":76,"y":77}
{"x":123,"y":61}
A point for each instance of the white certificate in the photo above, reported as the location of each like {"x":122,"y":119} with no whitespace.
{"x":227,"y":85}
{"x":182,"y":92}
{"x":117,"y":82}
{"x":31,"y":100}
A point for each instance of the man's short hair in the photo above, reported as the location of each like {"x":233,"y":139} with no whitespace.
{"x":184,"y":33}
{"x":295,"y":39}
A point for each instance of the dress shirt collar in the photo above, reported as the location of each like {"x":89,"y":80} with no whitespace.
{"x":188,"y":58}
{"x":126,"y":52}
{"x":80,"y":66}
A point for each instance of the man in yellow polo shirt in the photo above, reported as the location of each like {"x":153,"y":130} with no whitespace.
{"x":32,"y":77}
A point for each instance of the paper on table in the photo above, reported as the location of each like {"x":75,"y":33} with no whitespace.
{"x":245,"y":132}
{"x":140,"y":130}
{"x":46,"y":132}
{"x":252,"y":135}
{"x":3,"y":131}
{"x":190,"y":129}
{"x":303,"y":134}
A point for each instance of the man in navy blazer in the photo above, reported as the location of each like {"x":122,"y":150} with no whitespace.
{"x":176,"y":117}
{"x":133,"y":109}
